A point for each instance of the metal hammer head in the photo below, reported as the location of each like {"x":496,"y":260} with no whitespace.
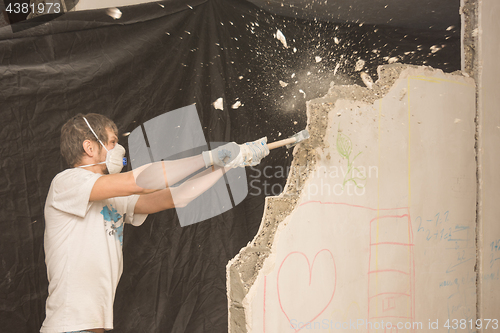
{"x":299,"y":137}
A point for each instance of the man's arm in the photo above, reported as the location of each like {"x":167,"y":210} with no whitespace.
{"x":161,"y":175}
{"x":181,"y":195}
{"x":152,"y":181}
{"x":154,"y":202}
{"x":116,"y":185}
{"x":151,"y":178}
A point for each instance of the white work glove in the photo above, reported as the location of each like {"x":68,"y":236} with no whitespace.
{"x":222,"y":155}
{"x":232,"y":155}
{"x":251,"y":153}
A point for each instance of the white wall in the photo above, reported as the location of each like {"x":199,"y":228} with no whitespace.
{"x":489,"y":117}
{"x":397,"y":246}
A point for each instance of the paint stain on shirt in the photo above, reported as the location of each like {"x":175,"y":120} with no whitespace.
{"x":113,"y":217}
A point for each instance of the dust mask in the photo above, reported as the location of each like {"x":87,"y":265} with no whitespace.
{"x":115,"y":158}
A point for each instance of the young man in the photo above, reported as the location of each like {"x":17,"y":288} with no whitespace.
{"x":88,"y":204}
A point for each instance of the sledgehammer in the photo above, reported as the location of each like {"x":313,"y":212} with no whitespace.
{"x":291,"y":141}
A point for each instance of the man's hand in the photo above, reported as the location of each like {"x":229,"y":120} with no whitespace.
{"x":221,"y":156}
{"x":232,"y":155}
{"x":251,"y":153}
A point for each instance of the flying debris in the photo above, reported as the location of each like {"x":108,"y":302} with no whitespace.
{"x":279,"y":36}
{"x":283,"y":84}
{"x":359,"y":65}
{"x":367,"y":80}
{"x":318,"y":59}
{"x":302,"y":91}
{"x":219,"y":104}
{"x":236,"y":105}
{"x":115,"y":13}
{"x":336,"y":68}
{"x":435,"y":48}
{"x":392,"y":60}
{"x":336,"y":40}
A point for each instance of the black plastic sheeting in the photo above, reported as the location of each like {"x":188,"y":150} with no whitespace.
{"x":159,"y":57}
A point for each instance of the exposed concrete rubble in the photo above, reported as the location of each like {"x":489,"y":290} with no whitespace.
{"x":470,"y":35}
{"x":244,"y":269}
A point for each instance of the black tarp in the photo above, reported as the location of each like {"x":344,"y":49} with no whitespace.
{"x":159,"y":57}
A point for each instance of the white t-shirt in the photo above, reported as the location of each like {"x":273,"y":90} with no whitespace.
{"x":83,"y":252}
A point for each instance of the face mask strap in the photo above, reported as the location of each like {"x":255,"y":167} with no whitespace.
{"x":95,"y":134}
{"x":83,"y":166}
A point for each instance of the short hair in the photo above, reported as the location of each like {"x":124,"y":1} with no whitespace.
{"x":76,"y":131}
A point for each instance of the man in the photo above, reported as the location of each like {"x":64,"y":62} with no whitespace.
{"x":88,"y":204}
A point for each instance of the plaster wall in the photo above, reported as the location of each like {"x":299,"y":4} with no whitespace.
{"x":489,"y":144}
{"x":376,"y":226}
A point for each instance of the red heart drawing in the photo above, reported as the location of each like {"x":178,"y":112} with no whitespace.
{"x":310,"y":268}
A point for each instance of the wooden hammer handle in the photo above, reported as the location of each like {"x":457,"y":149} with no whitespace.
{"x":281,"y":143}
